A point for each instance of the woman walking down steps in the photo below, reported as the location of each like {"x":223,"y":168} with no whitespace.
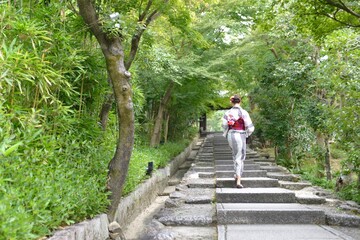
{"x":237,"y":127}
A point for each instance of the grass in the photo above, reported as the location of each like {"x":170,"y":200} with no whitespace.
{"x":159,"y":156}
{"x":53,"y":181}
{"x":312,"y":171}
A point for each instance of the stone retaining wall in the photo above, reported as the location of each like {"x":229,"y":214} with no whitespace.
{"x":130,"y":206}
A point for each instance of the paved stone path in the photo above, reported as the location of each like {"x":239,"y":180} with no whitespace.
{"x":274,"y":204}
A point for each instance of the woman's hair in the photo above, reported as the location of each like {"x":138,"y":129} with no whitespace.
{"x":235,"y":99}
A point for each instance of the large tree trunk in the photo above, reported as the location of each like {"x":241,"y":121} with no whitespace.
{"x":119,"y":164}
{"x":156,"y":135}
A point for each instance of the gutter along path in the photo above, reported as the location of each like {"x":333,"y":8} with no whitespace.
{"x":274,"y":204}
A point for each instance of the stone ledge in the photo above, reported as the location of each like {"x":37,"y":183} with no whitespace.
{"x":344,"y":220}
{"x":96,"y":228}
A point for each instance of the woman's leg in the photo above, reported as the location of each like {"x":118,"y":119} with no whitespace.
{"x":236,"y":144}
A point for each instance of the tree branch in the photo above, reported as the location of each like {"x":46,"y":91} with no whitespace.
{"x":72,"y":8}
{"x":339,"y":21}
{"x":88,"y":13}
{"x":343,"y":7}
{"x":137,"y":36}
{"x":142,"y":16}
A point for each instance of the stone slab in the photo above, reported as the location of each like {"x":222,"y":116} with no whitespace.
{"x":255,"y":182}
{"x":294,"y":185}
{"x":273,"y":168}
{"x":308,"y":198}
{"x":254,"y":195}
{"x":200,"y":183}
{"x":187,"y":215}
{"x":203,"y":169}
{"x":184,"y":233}
{"x":246,"y":173}
{"x":231,"y":167}
{"x":207,"y":175}
{"x":195,"y":195}
{"x":279,"y":232}
{"x":167,"y":191}
{"x":268,"y":213}
{"x":343,"y":220}
{"x":231,"y":162}
{"x":283,"y":176}
{"x":204,"y":164}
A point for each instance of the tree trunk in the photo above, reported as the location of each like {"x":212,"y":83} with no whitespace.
{"x":166,"y":130}
{"x":276,"y":153}
{"x":119,"y":164}
{"x":120,"y":79}
{"x":202,"y":127}
{"x":327,"y":158}
{"x":320,"y":140}
{"x":156,"y":135}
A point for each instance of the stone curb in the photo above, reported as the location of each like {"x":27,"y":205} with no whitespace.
{"x":130,"y":206}
{"x":343,"y":220}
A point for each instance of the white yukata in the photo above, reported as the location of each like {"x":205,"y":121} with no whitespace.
{"x":237,"y":137}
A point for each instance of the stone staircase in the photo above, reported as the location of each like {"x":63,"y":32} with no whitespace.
{"x":207,"y":205}
{"x":262,"y":200}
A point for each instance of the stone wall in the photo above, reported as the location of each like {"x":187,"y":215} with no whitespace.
{"x":130,"y":206}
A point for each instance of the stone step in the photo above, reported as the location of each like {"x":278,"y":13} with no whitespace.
{"x":268,"y":213}
{"x":259,"y":182}
{"x":187,"y":215}
{"x":226,"y":151}
{"x":225,"y":156}
{"x":229,"y":157}
{"x":294,"y":185}
{"x":203,"y":169}
{"x":222,"y":149}
{"x":254,"y":195}
{"x":231,"y":162}
{"x":265,"y":163}
{"x":309,"y":198}
{"x":231,"y":167}
{"x":207,"y":175}
{"x":220,"y":142}
{"x":271,"y":160}
{"x":246,"y":173}
{"x":279,"y":231}
{"x":204,"y":155}
{"x":201,"y":183}
{"x":252,"y":156}
{"x":273,"y":168}
{"x":204,"y":159}
{"x":204,"y":164}
{"x":283,"y":176}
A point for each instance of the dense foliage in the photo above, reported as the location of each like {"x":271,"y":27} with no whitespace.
{"x":299,"y":78}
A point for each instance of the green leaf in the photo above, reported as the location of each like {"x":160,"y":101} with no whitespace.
{"x":12,"y":148}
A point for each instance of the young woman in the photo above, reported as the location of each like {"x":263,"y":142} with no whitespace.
{"x":237,"y":127}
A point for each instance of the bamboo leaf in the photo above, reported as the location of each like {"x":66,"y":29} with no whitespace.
{"x":12,"y":149}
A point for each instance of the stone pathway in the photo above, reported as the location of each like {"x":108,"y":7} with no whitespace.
{"x":274,"y":204}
